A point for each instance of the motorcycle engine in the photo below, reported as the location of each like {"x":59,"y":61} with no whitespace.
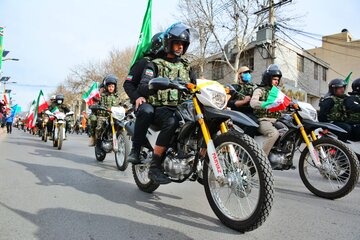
{"x":106,"y":146}
{"x":177,"y":166}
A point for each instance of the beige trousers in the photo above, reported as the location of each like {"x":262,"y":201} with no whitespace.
{"x":271,"y":134}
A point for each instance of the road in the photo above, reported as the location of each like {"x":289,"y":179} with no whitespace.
{"x":50,"y":194}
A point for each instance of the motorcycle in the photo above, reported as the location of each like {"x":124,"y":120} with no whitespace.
{"x":327,"y":167}
{"x":44,"y":132}
{"x":235,"y":172}
{"x":113,"y":138}
{"x":58,"y":132}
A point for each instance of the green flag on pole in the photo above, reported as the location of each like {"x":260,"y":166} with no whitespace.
{"x":144,"y":42}
{"x":1,"y":45}
{"x":347,"y":80}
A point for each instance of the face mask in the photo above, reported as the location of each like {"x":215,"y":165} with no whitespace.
{"x":246,"y":77}
{"x":59,"y":101}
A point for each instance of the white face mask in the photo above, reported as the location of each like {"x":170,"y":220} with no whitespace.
{"x":59,"y":101}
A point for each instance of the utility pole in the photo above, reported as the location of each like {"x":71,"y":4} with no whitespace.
{"x":272,"y":23}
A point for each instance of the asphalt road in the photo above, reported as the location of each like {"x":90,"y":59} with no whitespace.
{"x":50,"y":194}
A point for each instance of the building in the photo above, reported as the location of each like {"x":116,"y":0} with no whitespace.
{"x":304,"y":76}
{"x":342,"y":53}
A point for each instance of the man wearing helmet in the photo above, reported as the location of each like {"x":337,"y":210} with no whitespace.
{"x":144,"y":111}
{"x":332,"y":107}
{"x":270,"y":78}
{"x":240,"y":100}
{"x":172,"y":66}
{"x":109,"y":98}
{"x":56,"y":104}
{"x":352,"y":105}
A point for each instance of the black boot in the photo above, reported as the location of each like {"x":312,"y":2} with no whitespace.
{"x":156,"y":173}
{"x":134,"y":156}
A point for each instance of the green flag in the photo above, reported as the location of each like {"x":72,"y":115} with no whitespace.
{"x":144,"y":42}
{"x":1,"y":45}
{"x":347,"y":79}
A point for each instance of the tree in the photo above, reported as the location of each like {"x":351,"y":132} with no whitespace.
{"x":231,"y":24}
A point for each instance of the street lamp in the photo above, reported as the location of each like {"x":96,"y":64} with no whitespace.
{"x":10,"y":59}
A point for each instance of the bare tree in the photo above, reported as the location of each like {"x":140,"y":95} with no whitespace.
{"x":231,"y":24}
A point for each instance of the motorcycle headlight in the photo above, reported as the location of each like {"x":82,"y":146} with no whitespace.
{"x":218,"y":99}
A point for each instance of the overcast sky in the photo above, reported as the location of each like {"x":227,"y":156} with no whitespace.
{"x":51,"y":37}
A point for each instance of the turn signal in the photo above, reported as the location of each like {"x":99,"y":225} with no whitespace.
{"x":190,"y":86}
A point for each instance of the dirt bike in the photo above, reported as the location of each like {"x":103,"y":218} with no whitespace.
{"x":235,"y":172}
{"x":58,"y":132}
{"x":327,"y":167}
{"x":113,"y":138}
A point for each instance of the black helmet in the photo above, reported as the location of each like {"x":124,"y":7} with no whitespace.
{"x":59,"y":97}
{"x":176,"y":32}
{"x":336,"y":83}
{"x":356,"y":86}
{"x":272,"y":71}
{"x":157,"y":43}
{"x":110,"y":79}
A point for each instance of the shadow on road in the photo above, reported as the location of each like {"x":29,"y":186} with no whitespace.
{"x":60,"y":223}
{"x":121,"y":192}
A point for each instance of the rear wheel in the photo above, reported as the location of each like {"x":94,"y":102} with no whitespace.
{"x":338,"y":173}
{"x":244,"y":199}
{"x":141,"y":173}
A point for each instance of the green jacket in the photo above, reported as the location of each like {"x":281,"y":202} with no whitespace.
{"x":262,"y":112}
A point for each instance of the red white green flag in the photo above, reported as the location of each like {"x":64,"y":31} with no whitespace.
{"x":41,"y":105}
{"x":7,"y":101}
{"x":276,"y":101}
{"x":93,"y":92}
{"x":30,"y":120}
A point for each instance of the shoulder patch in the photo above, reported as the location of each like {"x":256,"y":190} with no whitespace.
{"x":149,"y":72}
{"x":129,"y":77}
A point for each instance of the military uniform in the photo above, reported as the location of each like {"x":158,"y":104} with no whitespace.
{"x":98,"y":119}
{"x":266,"y":118}
{"x":332,"y":109}
{"x":62,"y":108}
{"x":352,"y":106}
{"x":165,"y":101}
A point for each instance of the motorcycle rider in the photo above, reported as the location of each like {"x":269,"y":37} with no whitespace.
{"x":352,"y":106}
{"x":144,"y":111}
{"x":271,"y":77}
{"x":332,"y":107}
{"x":172,"y":66}
{"x":59,"y":105}
{"x":240,"y":101}
{"x":108,"y":99}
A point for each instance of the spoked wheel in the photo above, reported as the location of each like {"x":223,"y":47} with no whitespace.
{"x":45,"y":137}
{"x":55,"y":139}
{"x":141,"y":173}
{"x":244,"y":200}
{"x":338,"y":173}
{"x":122,"y":152}
{"x":60,"y":137}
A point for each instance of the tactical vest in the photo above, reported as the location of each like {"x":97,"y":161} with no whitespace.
{"x":107,"y":100}
{"x":170,"y":97}
{"x":337,"y":112}
{"x":244,"y":89}
{"x":264,"y":113}
{"x":354,"y":117}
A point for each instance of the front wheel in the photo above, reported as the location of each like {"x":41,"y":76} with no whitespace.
{"x":45,"y":137}
{"x":122,"y":152}
{"x":60,"y":137}
{"x":244,"y":199}
{"x":338,"y":173}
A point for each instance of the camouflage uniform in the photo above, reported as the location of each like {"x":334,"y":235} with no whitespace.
{"x":98,"y":119}
{"x":352,"y":105}
{"x":262,"y":112}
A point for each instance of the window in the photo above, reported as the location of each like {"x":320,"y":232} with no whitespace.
{"x":316,"y":71}
{"x":217,"y":71}
{"x":324,"y":71}
{"x":300,"y":63}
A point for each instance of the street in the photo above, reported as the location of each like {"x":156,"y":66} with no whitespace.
{"x":47,"y":193}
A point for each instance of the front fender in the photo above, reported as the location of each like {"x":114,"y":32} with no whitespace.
{"x":236,"y":117}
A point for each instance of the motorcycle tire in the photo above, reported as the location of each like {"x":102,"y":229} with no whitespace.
{"x":60,"y":137}
{"x":141,"y":176}
{"x":55,"y":140}
{"x":45,"y":137}
{"x":99,"y":154}
{"x":258,"y":168}
{"x":121,"y":155}
{"x":352,"y":173}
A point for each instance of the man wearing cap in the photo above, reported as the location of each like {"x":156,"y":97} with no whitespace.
{"x":240,"y":100}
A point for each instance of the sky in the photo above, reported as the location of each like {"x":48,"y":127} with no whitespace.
{"x":51,"y":37}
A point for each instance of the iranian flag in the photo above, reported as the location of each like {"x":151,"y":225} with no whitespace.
{"x":276,"y":101}
{"x":41,"y":105}
{"x":29,"y":123}
{"x":93,"y":92}
{"x":7,"y":100}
